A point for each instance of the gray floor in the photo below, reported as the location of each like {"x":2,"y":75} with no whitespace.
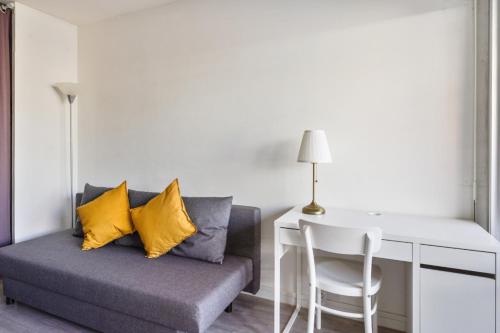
{"x":250,"y":314}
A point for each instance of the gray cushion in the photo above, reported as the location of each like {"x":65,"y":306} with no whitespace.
{"x":140,"y":198}
{"x":89,"y":193}
{"x":130,"y":240}
{"x":136,"y":199}
{"x":173,"y":291}
{"x":209,"y":214}
{"x":211,"y":217}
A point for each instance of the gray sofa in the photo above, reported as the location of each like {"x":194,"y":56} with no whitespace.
{"x":115,"y":289}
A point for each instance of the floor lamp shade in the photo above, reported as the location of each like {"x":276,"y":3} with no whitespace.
{"x":314,"y":149}
{"x":67,"y":88}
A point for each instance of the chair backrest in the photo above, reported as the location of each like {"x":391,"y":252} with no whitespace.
{"x":343,"y":240}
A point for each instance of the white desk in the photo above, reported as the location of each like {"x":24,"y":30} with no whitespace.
{"x":456,"y":258}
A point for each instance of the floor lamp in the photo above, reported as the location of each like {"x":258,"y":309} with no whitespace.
{"x":70,"y":90}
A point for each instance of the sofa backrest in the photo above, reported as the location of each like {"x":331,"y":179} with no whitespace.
{"x":243,"y":238}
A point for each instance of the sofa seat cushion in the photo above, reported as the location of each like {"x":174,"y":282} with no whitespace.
{"x":177,"y":292}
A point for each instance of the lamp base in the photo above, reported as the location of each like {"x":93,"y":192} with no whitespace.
{"x":313,"y":209}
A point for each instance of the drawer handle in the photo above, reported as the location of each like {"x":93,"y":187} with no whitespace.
{"x":458,"y":271}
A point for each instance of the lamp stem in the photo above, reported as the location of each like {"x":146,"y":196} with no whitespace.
{"x":315,"y":180}
{"x":313,"y":208}
{"x":71,"y":99}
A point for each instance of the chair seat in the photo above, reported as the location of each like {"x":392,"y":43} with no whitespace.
{"x":345,"y":277}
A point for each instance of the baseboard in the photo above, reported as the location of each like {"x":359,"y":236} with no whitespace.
{"x":386,"y":319}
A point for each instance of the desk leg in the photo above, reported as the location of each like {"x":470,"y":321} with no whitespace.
{"x":298,"y":295}
{"x":277,"y":279}
{"x":299,"y":278}
{"x":497,"y":291}
{"x":278,"y":254}
{"x":413,"y":275}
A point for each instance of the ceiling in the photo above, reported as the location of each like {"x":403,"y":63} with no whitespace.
{"x":81,"y":12}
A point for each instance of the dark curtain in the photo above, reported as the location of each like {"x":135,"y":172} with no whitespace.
{"x":5,"y":127}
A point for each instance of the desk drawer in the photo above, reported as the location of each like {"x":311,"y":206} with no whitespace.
{"x":390,"y":249}
{"x":467,"y":260}
{"x":291,"y":237}
{"x":394,"y":250}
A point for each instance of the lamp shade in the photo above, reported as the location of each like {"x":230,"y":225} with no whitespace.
{"x":67,"y":88}
{"x":314,"y":147}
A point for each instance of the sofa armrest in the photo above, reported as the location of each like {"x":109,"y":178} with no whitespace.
{"x":243,"y":239}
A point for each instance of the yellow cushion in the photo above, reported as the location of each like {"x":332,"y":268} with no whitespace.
{"x":163,"y":222}
{"x":106,"y":218}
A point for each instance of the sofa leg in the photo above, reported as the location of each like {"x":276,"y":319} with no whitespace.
{"x":229,"y":308}
{"x":9,"y":301}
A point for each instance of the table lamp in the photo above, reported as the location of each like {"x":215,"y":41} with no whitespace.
{"x":314,"y":149}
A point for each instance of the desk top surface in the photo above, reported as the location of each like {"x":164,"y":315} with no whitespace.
{"x":437,"y":231}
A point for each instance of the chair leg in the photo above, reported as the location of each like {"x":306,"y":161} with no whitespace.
{"x":375,"y":316}
{"x":367,"y":307}
{"x":318,"y":310}
{"x":312,"y":307}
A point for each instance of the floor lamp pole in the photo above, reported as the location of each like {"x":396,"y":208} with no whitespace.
{"x":71,"y":99}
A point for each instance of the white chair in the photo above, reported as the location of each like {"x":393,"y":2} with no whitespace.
{"x":340,"y":276}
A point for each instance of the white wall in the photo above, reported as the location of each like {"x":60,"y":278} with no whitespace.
{"x":45,"y":53}
{"x":218,"y":93}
